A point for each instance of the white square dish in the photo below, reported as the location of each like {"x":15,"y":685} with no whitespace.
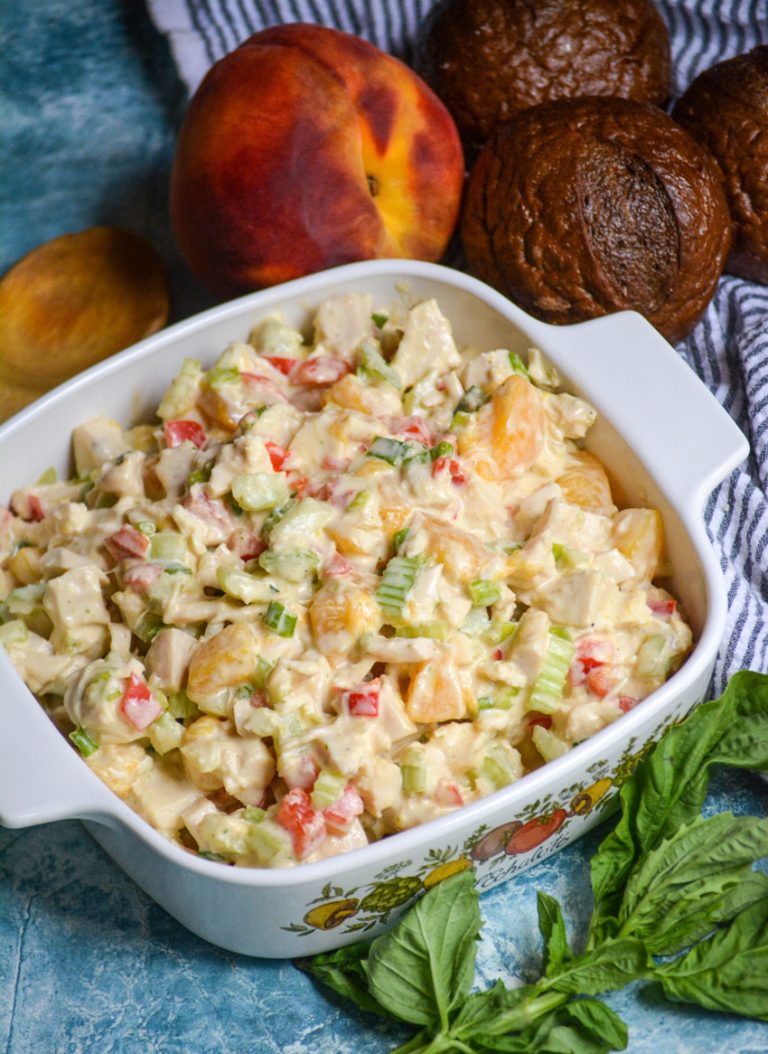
{"x":665,"y":441}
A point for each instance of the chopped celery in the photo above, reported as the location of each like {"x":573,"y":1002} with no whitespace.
{"x":413,"y":770}
{"x":83,"y":742}
{"x":517,"y":364}
{"x":182,"y":394}
{"x":486,"y":702}
{"x":373,"y":366}
{"x":267,"y":839}
{"x":459,"y":420}
{"x":262,"y":722}
{"x":476,"y":623}
{"x":294,"y":565}
{"x":398,"y":538}
{"x":168,"y":546}
{"x":567,"y":558}
{"x":165,"y":733}
{"x":499,"y":632}
{"x":262,"y":673}
{"x":256,"y":491}
{"x":435,"y":630}
{"x":394,"y":451}
{"x":276,"y":516}
{"x":148,"y":626}
{"x":547,"y":690}
{"x":499,"y":767}
{"x":14,"y":632}
{"x":279,"y":620}
{"x":653,"y":657}
{"x":25,"y":600}
{"x":379,"y":319}
{"x":253,"y":814}
{"x":49,"y":476}
{"x":251,"y":589}
{"x":360,"y":500}
{"x":305,"y":517}
{"x":180,"y":705}
{"x":547,"y":743}
{"x":484,"y":592}
{"x":396,"y":582}
{"x":221,"y":375}
{"x":328,"y":788}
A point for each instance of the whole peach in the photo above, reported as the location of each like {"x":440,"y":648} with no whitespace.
{"x":306,"y":148}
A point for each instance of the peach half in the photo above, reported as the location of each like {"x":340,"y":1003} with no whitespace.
{"x":306,"y":148}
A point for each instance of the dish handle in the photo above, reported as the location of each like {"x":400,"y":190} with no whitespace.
{"x":41,"y":776}
{"x":686,"y":437}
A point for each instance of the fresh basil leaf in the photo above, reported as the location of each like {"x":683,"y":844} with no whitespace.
{"x":496,"y":1011}
{"x":612,"y":964}
{"x":424,"y":967}
{"x":727,"y":972}
{"x":343,"y":971}
{"x":666,"y":789}
{"x":745,"y":742}
{"x":552,"y":929}
{"x":678,"y":886}
{"x":584,"y":1026}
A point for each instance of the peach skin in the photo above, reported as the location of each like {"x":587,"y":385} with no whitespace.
{"x":306,"y":148}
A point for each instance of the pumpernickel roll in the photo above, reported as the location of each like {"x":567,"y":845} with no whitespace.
{"x":726,"y":109}
{"x":489,"y":59}
{"x":587,"y":206}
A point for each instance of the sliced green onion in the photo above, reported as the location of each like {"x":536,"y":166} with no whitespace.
{"x":443,"y":449}
{"x":262,"y":674}
{"x":221,"y":375}
{"x":200,"y":475}
{"x":379,"y":320}
{"x":278,"y":619}
{"x":547,"y":690}
{"x":255,"y":491}
{"x":517,"y":364}
{"x":375,"y":367}
{"x":567,"y":558}
{"x":484,"y":592}
{"x":328,"y":788}
{"x":396,"y":582}
{"x":146,"y":527}
{"x":459,"y":420}
{"x":83,"y":742}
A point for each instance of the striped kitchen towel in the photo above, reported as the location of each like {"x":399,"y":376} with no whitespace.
{"x":728,"y":348}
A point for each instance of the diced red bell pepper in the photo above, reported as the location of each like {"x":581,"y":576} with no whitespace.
{"x":627,"y":703}
{"x":594,"y":651}
{"x":138,"y":705}
{"x":447,"y":793}
{"x":339,"y":816}
{"x":414,"y":427}
{"x":303,"y":822}
{"x":300,"y":772}
{"x":36,"y":510}
{"x":277,"y":455}
{"x":179,"y":431}
{"x":363,"y":701}
{"x":498,"y":654}
{"x":545,"y":721}
{"x":338,"y":565}
{"x":246,"y":543}
{"x":451,"y":465}
{"x":282,"y":363}
{"x":126,"y":542}
{"x":319,"y":372}
{"x":600,"y":680}
{"x":663,"y":608}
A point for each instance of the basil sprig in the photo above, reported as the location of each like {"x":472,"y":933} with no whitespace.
{"x":666,"y":882}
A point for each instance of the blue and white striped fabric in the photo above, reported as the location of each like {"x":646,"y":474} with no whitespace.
{"x":729,"y":347}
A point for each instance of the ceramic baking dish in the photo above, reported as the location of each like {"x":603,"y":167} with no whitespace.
{"x":665,"y":441}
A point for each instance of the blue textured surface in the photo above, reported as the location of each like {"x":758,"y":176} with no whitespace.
{"x":88,"y":964}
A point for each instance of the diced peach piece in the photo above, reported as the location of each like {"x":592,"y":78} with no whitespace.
{"x":226,"y":660}
{"x":435,"y":693}
{"x":585,"y":483}
{"x":639,"y":535}
{"x":340,"y":614}
{"x":508,"y":434}
{"x":460,"y":553}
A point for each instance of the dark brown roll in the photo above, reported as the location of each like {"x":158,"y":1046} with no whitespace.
{"x":726,"y":110}
{"x":489,"y":59}
{"x":583,"y":207}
